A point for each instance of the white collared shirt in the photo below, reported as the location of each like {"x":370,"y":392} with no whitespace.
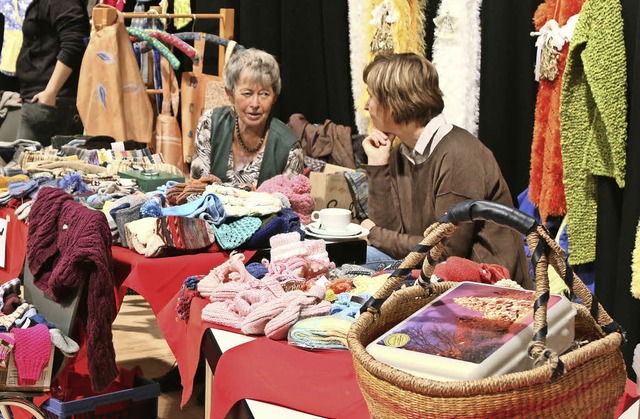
{"x":437,"y":128}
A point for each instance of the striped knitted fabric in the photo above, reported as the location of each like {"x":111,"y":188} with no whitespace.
{"x":184,"y":233}
{"x":593,"y":127}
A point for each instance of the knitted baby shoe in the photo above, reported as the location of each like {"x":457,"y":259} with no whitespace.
{"x":67,"y":346}
{"x":31,"y":353}
{"x":231,"y":236}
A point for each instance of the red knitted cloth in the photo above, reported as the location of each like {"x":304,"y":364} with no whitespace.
{"x":69,"y":244}
{"x":32,"y":352}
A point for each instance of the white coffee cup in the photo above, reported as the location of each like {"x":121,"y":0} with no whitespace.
{"x":334,"y":219}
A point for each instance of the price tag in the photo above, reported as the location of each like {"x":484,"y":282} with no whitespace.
{"x":4,"y":227}
{"x":117,"y":146}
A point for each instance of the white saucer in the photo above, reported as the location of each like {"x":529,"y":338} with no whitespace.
{"x":351,"y":230}
{"x":315,"y":232}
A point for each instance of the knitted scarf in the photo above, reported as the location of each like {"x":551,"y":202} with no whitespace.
{"x":456,"y":55}
{"x":408,"y":36}
{"x":69,"y":244}
{"x":593,"y":124}
{"x":546,"y":189}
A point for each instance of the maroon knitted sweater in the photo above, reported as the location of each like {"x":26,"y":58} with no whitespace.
{"x":67,"y":245}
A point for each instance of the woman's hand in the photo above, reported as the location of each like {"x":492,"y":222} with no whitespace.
{"x":378,"y":147}
{"x":45,"y":98}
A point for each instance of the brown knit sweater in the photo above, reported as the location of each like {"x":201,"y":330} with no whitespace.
{"x":405,"y":199}
{"x":69,"y":244}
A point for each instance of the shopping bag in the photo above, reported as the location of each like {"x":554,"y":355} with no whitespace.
{"x":112,"y":99}
{"x":198,"y":92}
{"x":168,"y":136}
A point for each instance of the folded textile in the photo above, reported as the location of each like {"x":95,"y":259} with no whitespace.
{"x":233,"y":235}
{"x":285,"y":221}
{"x":322,"y":332}
{"x":185,"y":233}
{"x":239,"y":203}
{"x":31,"y":353}
{"x":207,"y":204}
{"x":142,"y":237}
{"x":298,"y":191}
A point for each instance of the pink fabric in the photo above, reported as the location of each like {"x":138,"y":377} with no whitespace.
{"x":32,"y":352}
{"x":460,"y":269}
{"x":297,"y":190}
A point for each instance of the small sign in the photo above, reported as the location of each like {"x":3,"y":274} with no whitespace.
{"x":4,"y":227}
{"x":117,"y":146}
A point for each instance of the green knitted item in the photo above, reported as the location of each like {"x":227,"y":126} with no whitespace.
{"x":593,"y":124}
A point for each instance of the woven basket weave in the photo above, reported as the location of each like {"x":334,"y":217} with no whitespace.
{"x":585,"y":382}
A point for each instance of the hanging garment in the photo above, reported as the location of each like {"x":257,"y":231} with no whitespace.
{"x":456,"y":55}
{"x":112,"y":99}
{"x":168,"y":136}
{"x":593,"y":119}
{"x":13,"y":11}
{"x":193,"y":93}
{"x":546,"y":189}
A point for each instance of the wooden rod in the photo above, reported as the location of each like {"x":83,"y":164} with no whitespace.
{"x":134,"y":15}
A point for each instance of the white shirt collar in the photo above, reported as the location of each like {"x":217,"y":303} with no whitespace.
{"x":437,"y":128}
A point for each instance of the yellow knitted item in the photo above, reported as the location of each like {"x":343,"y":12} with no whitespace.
{"x":4,"y":180}
{"x":408,"y":36}
{"x":593,"y":111}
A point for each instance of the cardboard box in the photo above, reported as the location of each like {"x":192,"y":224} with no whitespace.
{"x":9,"y":376}
{"x":150,"y":183}
{"x":330,"y":189}
{"x":472,"y":331}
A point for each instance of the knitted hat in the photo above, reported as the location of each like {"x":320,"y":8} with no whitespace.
{"x":31,"y":353}
{"x":7,"y":342}
{"x":285,"y":246}
{"x":125,"y":216}
{"x":185,"y":233}
{"x":297,"y":189}
{"x":231,"y":236}
{"x":9,"y":287}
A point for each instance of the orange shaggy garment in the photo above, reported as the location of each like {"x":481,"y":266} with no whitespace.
{"x":546,"y":189}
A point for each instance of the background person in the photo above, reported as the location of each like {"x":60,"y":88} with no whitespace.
{"x":434,"y":166}
{"x":54,"y":33}
{"x":243,"y":143}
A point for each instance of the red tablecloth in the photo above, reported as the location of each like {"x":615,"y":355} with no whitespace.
{"x":321,"y":383}
{"x":16,"y":247}
{"x":158,"y":280}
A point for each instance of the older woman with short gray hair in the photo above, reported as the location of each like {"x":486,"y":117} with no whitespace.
{"x":243,"y":144}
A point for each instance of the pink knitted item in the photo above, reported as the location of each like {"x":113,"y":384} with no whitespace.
{"x":297,"y":190}
{"x":231,"y":270}
{"x":31,"y":353}
{"x":276,"y":317}
{"x":7,"y":342}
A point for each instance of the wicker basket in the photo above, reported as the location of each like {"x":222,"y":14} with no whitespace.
{"x":585,"y":382}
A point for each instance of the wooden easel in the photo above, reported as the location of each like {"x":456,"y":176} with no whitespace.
{"x":107,"y":16}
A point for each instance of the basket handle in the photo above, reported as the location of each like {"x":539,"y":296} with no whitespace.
{"x":545,"y":251}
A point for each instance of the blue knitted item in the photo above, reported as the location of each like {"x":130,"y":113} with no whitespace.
{"x":344,"y":306}
{"x":286,"y":221}
{"x":208,"y":205}
{"x":164,"y":188}
{"x":21,"y":188}
{"x":151,"y":208}
{"x":231,"y":236}
{"x":257,"y":270}
{"x":73,"y":183}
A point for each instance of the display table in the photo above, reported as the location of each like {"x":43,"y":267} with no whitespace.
{"x":159,"y":282}
{"x":257,"y":377}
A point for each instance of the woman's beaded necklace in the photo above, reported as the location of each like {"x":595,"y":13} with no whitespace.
{"x":242,"y":143}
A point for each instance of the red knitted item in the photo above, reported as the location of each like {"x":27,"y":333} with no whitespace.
{"x":546,"y":189}
{"x":31,"y":353}
{"x":459,"y":269}
{"x":69,"y":244}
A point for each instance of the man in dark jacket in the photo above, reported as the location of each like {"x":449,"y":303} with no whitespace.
{"x":54,"y":33}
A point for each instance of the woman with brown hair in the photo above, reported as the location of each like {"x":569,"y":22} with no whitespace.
{"x":432,"y":166}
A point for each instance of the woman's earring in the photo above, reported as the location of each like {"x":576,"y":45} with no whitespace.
{"x":233,"y":111}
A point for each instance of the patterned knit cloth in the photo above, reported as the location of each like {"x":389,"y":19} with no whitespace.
{"x":67,"y":245}
{"x":32,"y":352}
{"x":593,"y":111}
{"x":297,"y":189}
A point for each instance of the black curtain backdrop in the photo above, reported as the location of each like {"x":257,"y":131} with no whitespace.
{"x":619,"y":209}
{"x":310,"y":40}
{"x":507,"y":86}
